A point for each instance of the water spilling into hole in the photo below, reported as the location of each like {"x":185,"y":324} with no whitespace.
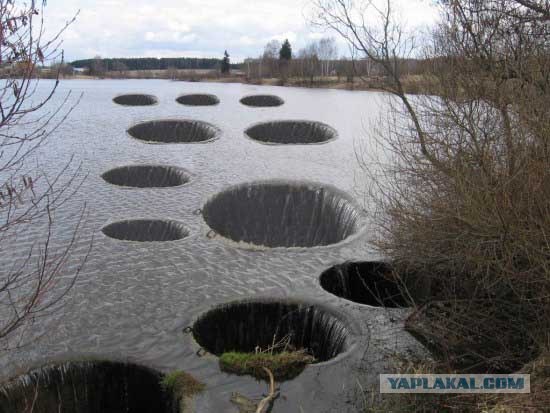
{"x":146,"y":176}
{"x":262,"y":100}
{"x":144,"y":230}
{"x":369,"y":283}
{"x":249,"y":325}
{"x":136,"y":100}
{"x":174,"y":131}
{"x":291,"y":132}
{"x":282,"y":214}
{"x":198,"y":100}
{"x":87,"y":387}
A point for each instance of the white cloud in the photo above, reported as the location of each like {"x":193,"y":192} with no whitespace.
{"x":122,"y":28}
{"x":248,"y":41}
{"x":316,"y":35}
{"x":291,"y":36}
{"x":169,"y":37}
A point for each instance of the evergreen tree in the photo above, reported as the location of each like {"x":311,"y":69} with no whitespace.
{"x":226,"y":67}
{"x":286,"y":51}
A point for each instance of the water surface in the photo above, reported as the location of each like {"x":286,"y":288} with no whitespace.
{"x":133,"y":299}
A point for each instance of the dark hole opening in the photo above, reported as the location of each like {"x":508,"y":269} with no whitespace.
{"x":144,"y":230}
{"x":198,"y":99}
{"x":372,"y":283}
{"x":262,"y":100}
{"x":87,"y":387}
{"x":291,"y":132}
{"x":135,"y":100}
{"x":174,"y":131}
{"x":273,"y":214}
{"x":246,"y":326}
{"x":146,"y":176}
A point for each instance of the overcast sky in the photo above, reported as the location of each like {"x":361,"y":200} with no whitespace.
{"x":191,"y":28}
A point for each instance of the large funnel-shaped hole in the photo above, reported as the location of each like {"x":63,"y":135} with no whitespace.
{"x":262,"y":100}
{"x":371,"y":283}
{"x":174,"y":131}
{"x":291,"y":132}
{"x":248,"y":326}
{"x":282,"y":214}
{"x":87,"y":387}
{"x":135,"y":100}
{"x":198,"y":99}
{"x":146,"y":176}
{"x":145,"y":230}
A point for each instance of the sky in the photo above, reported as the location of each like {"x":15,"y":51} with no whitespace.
{"x":192,"y":28}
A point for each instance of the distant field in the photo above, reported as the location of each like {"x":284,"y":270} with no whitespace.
{"x":414,"y":84}
{"x":182,"y":74}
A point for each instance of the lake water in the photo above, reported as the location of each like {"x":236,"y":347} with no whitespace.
{"x":132,"y":299}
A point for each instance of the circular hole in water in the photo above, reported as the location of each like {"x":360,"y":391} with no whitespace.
{"x":146,"y":230}
{"x":174,"y":131}
{"x":135,"y":100}
{"x":251,"y":325}
{"x":198,"y":99}
{"x":146,"y":176}
{"x":291,"y":132}
{"x":368,"y":282}
{"x":282,"y":214}
{"x":87,"y":387}
{"x":262,"y":100}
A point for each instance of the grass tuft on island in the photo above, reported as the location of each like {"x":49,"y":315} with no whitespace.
{"x":182,"y":387}
{"x":284,"y":366}
{"x":182,"y":384}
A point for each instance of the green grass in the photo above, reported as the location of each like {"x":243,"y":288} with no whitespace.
{"x":284,"y":366}
{"x":181,"y":384}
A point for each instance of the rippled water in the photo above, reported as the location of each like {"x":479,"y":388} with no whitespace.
{"x":133,"y":299}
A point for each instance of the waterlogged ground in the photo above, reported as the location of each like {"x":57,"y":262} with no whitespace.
{"x":132,"y":300}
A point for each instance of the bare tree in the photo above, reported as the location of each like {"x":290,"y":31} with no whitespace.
{"x":271,"y":50}
{"x":372,"y":29}
{"x":35,"y":285}
{"x":327,"y":52}
{"x":464,"y":192}
{"x":270,"y":59}
{"x":97,"y":67}
{"x":308,"y":62}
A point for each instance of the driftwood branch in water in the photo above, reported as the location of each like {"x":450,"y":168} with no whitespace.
{"x":265,"y":401}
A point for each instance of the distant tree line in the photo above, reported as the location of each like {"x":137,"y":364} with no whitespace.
{"x":147,"y":63}
{"x":317,"y":59}
{"x":318,"y":63}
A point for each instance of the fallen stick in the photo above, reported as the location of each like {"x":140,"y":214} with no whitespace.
{"x":265,"y":401}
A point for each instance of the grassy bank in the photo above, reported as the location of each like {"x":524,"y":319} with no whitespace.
{"x":414,"y":84}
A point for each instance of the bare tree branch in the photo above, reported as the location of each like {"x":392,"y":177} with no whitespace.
{"x":34,"y":288}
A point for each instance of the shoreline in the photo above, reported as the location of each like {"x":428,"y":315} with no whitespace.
{"x":265,"y":82}
{"x":413,"y":84}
